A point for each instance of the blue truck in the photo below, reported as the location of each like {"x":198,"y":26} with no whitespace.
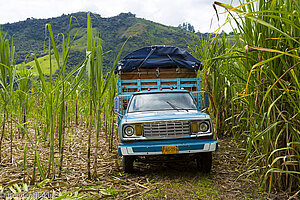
{"x":160,"y":105}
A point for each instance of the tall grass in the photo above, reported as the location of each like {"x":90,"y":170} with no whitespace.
{"x":100,"y":86}
{"x":253,"y":80}
{"x":56,"y":93}
{"x":8,"y":75}
{"x":222,"y":78}
{"x":46,"y":110}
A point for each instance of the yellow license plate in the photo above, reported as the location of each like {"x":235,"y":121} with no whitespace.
{"x":170,"y":149}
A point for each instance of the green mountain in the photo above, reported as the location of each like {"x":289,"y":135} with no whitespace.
{"x":29,"y":36}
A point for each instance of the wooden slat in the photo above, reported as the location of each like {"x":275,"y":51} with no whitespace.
{"x":162,"y":73}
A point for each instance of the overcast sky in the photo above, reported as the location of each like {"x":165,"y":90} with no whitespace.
{"x":199,"y":13}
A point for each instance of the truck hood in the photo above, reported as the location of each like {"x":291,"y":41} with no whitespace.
{"x":163,"y":115}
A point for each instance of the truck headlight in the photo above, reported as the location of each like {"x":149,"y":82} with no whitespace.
{"x":200,"y":126}
{"x":129,"y":131}
{"x":133,"y":130}
{"x":203,"y":127}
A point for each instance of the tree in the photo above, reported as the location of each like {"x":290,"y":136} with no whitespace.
{"x":187,"y":26}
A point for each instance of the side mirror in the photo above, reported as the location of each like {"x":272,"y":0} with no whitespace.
{"x":205,"y":101}
{"x":201,"y":99}
{"x":116,"y":105}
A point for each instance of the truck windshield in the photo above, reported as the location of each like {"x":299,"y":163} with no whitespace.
{"x":162,"y":101}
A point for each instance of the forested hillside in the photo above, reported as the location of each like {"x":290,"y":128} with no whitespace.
{"x":29,"y":35}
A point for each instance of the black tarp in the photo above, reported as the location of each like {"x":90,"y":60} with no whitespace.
{"x":158,"y":56}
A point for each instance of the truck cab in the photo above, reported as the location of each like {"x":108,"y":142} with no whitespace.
{"x":161,"y":115}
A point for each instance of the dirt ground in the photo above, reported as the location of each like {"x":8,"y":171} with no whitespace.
{"x":176,"y":180}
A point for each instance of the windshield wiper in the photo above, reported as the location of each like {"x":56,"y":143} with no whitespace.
{"x":175,"y":107}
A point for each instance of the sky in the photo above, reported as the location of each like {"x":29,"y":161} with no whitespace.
{"x":199,"y":13}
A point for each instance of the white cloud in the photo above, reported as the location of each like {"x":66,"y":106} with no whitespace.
{"x":169,"y":12}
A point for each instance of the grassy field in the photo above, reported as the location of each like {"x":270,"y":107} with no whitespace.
{"x":44,"y":63}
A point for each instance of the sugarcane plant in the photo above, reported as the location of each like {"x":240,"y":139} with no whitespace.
{"x":44,"y":110}
{"x":222,"y":79}
{"x":259,"y":72}
{"x":55,"y":94}
{"x":7,"y":82}
{"x":99,"y":86}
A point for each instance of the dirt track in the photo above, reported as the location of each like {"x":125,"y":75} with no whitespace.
{"x":150,"y":181}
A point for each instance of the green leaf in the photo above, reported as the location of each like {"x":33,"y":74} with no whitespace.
{"x":40,"y":166}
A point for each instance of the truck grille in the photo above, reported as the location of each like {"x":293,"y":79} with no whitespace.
{"x":167,"y":129}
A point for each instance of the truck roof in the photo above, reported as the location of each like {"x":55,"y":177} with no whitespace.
{"x":158,"y":56}
{"x":159,"y":91}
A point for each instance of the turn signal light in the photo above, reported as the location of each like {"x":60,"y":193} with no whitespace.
{"x":138,"y":130}
{"x":195,"y":127}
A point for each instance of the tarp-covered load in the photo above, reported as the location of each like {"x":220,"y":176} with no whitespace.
{"x":158,"y":56}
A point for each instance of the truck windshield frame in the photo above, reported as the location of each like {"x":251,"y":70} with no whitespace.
{"x":161,"y":101}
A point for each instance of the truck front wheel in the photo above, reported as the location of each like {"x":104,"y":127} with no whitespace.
{"x":204,"y":162}
{"x":127,"y":163}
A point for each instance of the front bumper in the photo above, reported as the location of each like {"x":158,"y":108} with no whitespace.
{"x":154,"y":147}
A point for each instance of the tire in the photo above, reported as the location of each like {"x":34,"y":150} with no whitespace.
{"x":204,"y":162}
{"x":127,"y":163}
